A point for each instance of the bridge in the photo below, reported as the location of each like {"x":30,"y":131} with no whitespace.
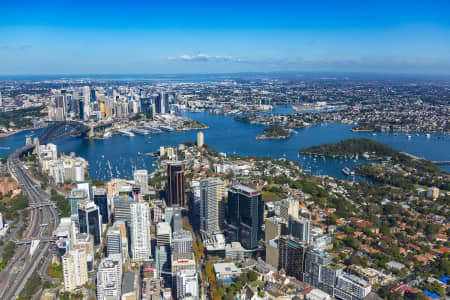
{"x":59,"y":129}
{"x":30,"y":240}
{"x":40,"y":205}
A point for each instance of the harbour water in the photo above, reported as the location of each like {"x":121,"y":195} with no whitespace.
{"x":118,"y":155}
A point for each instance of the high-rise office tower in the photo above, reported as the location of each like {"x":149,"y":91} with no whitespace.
{"x":182,"y":243}
{"x":174,"y":217}
{"x":109,"y":278}
{"x":246,"y":212}
{"x":75,"y":270}
{"x":177,"y":221}
{"x":141,"y":181}
{"x":200,"y":139}
{"x":301,"y":229}
{"x":163,"y":234}
{"x":289,"y":209}
{"x":140,"y":231}
{"x":211,"y":204}
{"x":101,"y":200}
{"x":273,"y":228}
{"x":89,"y":219}
{"x":92,"y":94}
{"x":187,"y":284}
{"x":122,"y":208}
{"x":113,"y":241}
{"x":76,"y":196}
{"x":291,"y":255}
{"x":320,"y":272}
{"x":175,"y":184}
{"x":163,"y":261}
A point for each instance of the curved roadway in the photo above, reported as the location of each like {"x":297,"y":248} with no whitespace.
{"x":21,"y":267}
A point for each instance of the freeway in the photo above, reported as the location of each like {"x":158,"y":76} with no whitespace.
{"x":21,"y":266}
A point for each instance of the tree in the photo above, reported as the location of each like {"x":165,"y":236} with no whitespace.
{"x":252,"y":276}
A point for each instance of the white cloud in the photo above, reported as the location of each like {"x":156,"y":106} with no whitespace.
{"x":203,"y":58}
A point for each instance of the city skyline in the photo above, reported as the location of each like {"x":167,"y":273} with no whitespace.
{"x":154,"y":38}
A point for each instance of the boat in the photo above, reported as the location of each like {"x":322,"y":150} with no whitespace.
{"x":428,"y":135}
{"x":409,"y":137}
{"x":140,"y":131}
{"x":126,"y":132}
{"x":374,"y":134}
{"x":107,"y":135}
{"x":346,"y":171}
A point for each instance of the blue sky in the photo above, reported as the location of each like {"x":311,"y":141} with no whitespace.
{"x":113,"y":37}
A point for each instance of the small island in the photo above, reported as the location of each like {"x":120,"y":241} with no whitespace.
{"x":353,"y":147}
{"x":193,"y":125}
{"x":274,"y":132}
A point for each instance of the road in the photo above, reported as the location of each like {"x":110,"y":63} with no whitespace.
{"x":21,"y":266}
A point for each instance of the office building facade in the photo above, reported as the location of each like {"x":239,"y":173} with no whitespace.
{"x":175,"y":184}
{"x":140,"y":231}
{"x":75,"y":270}
{"x":90,"y":220}
{"x":211,"y":205}
{"x":291,"y":256}
{"x":246,"y":213}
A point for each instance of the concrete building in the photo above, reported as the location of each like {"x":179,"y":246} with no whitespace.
{"x":200,"y":139}
{"x":163,"y":234}
{"x":182,"y":242}
{"x":300,"y":228}
{"x":226,"y":271}
{"x":211,"y":205}
{"x":140,"y":231}
{"x":289,"y":209}
{"x":141,"y":181}
{"x":187,"y":284}
{"x":273,"y":228}
{"x":75,"y":272}
{"x":272,"y":253}
{"x":113,"y":241}
{"x":433,"y":193}
{"x":351,"y":287}
{"x":109,"y":278}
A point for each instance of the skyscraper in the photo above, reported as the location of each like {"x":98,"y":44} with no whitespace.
{"x":163,"y":268}
{"x":141,"y":180}
{"x":289,"y":209}
{"x":140,"y":231}
{"x":101,"y":200}
{"x":211,"y":205}
{"x":109,"y":278}
{"x":291,"y":255}
{"x":182,"y":243}
{"x":175,"y":184}
{"x":90,"y":220}
{"x":76,"y":196}
{"x":75,"y":270}
{"x":113,"y":241}
{"x":245,"y":211}
{"x":301,"y":229}
{"x":200,"y":139}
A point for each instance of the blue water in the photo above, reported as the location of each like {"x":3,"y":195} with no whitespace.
{"x":233,"y":137}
